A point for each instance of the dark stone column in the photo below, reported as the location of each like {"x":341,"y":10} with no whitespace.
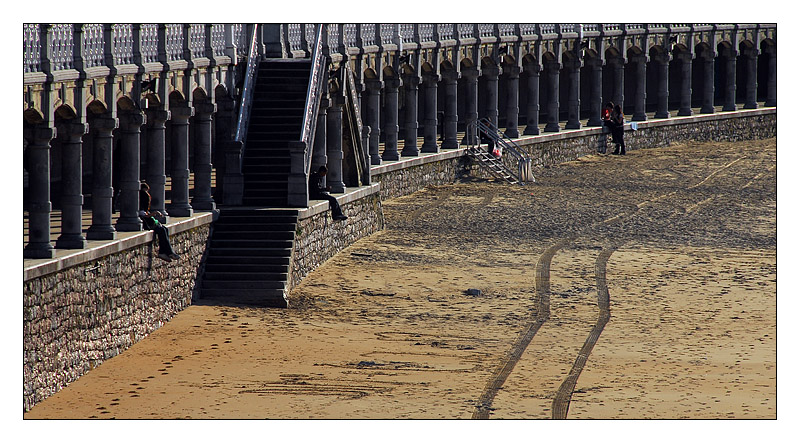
{"x":772,"y":79}
{"x":102,"y":191}
{"x":618,"y":77}
{"x":708,"y":84}
{"x":179,"y":203}
{"x":595,"y":66}
{"x":411,"y":83}
{"x":430,"y":87}
{"x":512,"y":100}
{"x":640,"y":90}
{"x":751,"y":78}
{"x":372,"y":118}
{"x":729,"y":103}
{"x":450,"y":125}
{"x":573,"y":68}
{"x":532,"y":117}
{"x":334,"y":145}
{"x":38,"y":153}
{"x":551,"y":71}
{"x":71,"y":186}
{"x":319,"y":156}
{"x":202,"y":200}
{"x":156,"y":174}
{"x":686,"y":85}
{"x":470,"y":105}
{"x":661,"y":63}
{"x":390,"y":124}
{"x":492,"y":73}
{"x":129,"y":150}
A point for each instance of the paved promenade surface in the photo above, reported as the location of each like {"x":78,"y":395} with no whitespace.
{"x":637,"y":286}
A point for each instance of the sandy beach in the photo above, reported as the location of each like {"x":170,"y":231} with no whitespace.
{"x":616,"y":287}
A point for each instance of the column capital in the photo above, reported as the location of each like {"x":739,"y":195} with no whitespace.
{"x":181,"y":113}
{"x":44,"y":133}
{"x":158,"y":116}
{"x":392,"y":82}
{"x":373,"y":84}
{"x":471,"y":73}
{"x":72,"y":130}
{"x":204,"y":110}
{"x":491,"y":70}
{"x":512,"y":71}
{"x":131,"y":121}
{"x":450,"y":75}
{"x":411,"y":80}
{"x":428,"y":78}
{"x":104,"y":124}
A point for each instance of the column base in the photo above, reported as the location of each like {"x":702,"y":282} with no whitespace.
{"x":664,"y":114}
{"x":128,"y":225}
{"x":638,"y":118}
{"x":101,"y":233}
{"x":431,"y":148}
{"x":531,"y":130}
{"x":375,"y":160}
{"x":750,"y":105}
{"x":594,"y":121}
{"x":573,"y":125}
{"x":183,"y":210}
{"x":204,"y":205}
{"x":450,"y":144}
{"x":410,"y":153}
{"x":728,"y":108}
{"x":71,"y":242}
{"x":552,"y":127}
{"x":684,"y":112}
{"x":39,"y":250}
{"x":512,"y":132}
{"x":390,"y":156}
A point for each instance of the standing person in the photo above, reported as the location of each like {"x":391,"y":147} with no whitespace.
{"x":317,"y":192}
{"x":618,"y":119}
{"x":606,"y":115}
{"x":165,"y":251}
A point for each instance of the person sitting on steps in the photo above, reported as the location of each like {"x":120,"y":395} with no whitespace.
{"x":165,"y":251}
{"x":317,"y":192}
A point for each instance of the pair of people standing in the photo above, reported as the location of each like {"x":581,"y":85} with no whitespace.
{"x":614,"y":119}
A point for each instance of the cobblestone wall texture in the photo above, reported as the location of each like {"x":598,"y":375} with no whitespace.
{"x":75,"y":319}
{"x":319,"y":238}
{"x":407,"y":181}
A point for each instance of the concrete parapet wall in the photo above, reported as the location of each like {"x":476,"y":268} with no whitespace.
{"x":410,"y":175}
{"x":319,"y":237}
{"x":80,"y":311}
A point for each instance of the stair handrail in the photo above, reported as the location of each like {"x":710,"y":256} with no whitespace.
{"x":315,"y":84}
{"x":524,"y":173}
{"x":362,"y":152}
{"x":247,"y":90}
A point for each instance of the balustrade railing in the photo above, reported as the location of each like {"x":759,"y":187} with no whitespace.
{"x":445,"y":31}
{"x":148,"y":44}
{"x":368,"y":36}
{"x":174,"y":41}
{"x":94,"y":47}
{"x":218,"y":39}
{"x":61,"y":47}
{"x":197,"y":41}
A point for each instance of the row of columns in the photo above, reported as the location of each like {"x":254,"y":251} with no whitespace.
{"x":128,"y":137}
{"x":551,"y":73}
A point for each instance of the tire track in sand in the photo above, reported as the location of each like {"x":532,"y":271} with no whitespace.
{"x":497,"y":380}
{"x":564,"y":394}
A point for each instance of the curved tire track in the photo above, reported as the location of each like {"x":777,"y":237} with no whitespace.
{"x":564,"y":394}
{"x":484,"y":406}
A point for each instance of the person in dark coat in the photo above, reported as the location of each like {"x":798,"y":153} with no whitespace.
{"x":618,"y":119}
{"x":317,"y":192}
{"x":606,"y":115}
{"x":165,"y":251}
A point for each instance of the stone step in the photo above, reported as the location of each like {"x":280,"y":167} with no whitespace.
{"x":241,"y":276}
{"x":242,"y":284}
{"x":255,"y":253}
{"x":263,"y":269}
{"x":272,"y":298}
{"x":234,"y":260}
{"x":254,"y":234}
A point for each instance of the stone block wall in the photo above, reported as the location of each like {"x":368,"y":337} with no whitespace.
{"x":400,"y":182}
{"x":78,"y":317}
{"x":319,"y":237}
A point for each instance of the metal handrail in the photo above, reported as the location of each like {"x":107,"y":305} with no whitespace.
{"x":313,"y":97}
{"x":523,"y":160}
{"x":247,"y":90}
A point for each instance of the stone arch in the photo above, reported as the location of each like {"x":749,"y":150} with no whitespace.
{"x":427,"y":68}
{"x":390,"y":72}
{"x":370,"y":74}
{"x":467,"y":63}
{"x":32,"y":116}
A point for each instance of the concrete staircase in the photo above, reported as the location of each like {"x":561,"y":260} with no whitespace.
{"x":276,"y":118}
{"x":249,"y":257}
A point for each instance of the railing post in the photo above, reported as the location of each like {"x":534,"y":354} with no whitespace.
{"x":45,"y":40}
{"x":230,"y":44}
{"x":78,"y":48}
